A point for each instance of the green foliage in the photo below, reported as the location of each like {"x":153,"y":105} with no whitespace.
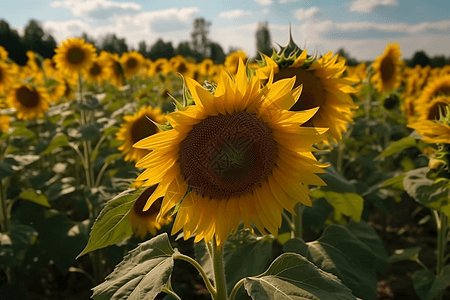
{"x":14,"y":244}
{"x":351,"y":257}
{"x":396,"y":147}
{"x":348,"y":204}
{"x":35,"y":197}
{"x":142,"y":273}
{"x":428,"y":286}
{"x":291,"y":276}
{"x":111,"y":226}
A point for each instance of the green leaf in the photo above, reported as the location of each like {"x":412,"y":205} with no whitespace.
{"x":341,"y":253}
{"x":111,"y":130}
{"x":112,"y":157}
{"x":426,"y":191}
{"x":336,"y":182}
{"x":428,"y":286}
{"x":36,"y":197}
{"x":90,"y":131}
{"x":142,"y":274}
{"x":13,"y":163}
{"x":397,"y":146}
{"x":23,"y":132}
{"x":404,"y":254}
{"x":394,"y":183}
{"x":111,"y":226}
{"x":58,"y":141}
{"x":292,"y":276}
{"x":348,"y":204}
{"x":14,"y":244}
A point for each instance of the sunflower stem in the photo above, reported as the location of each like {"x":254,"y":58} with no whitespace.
{"x":219,"y":272}
{"x":298,"y":220}
{"x":442,"y":226}
{"x":199,"y":268}
{"x":236,"y":288}
{"x":4,"y":216}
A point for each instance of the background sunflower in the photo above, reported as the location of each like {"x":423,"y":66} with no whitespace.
{"x":30,"y":102}
{"x":74,"y":56}
{"x":387,"y":68}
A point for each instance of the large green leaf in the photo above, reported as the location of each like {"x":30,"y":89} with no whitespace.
{"x":13,"y":163}
{"x":433,"y":194}
{"x":245,"y":254}
{"x":14,"y":244}
{"x":111,"y":226}
{"x":343,"y":254}
{"x":142,"y":274}
{"x":404,"y":254}
{"x":336,"y":182}
{"x":58,"y":141}
{"x":397,"y":146}
{"x":292,"y":276}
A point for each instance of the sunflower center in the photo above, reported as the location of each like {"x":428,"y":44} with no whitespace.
{"x":95,"y":69}
{"x":227,"y":155}
{"x":142,"y":199}
{"x":75,"y":55}
{"x":433,"y":112}
{"x":181,"y":68}
{"x":442,"y":91}
{"x":387,"y":69}
{"x":28,"y":98}
{"x":131,"y":63}
{"x":313,"y":94}
{"x":158,"y":68}
{"x":142,"y":128}
{"x":1,"y":74}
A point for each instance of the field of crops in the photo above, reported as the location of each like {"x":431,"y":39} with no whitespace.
{"x":293,"y":176}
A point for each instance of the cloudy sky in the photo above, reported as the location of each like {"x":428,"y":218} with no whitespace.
{"x":362,"y":27}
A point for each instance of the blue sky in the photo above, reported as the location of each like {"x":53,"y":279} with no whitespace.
{"x":362,"y":27}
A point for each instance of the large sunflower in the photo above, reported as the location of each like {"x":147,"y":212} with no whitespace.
{"x":145,"y":221}
{"x":74,"y":56}
{"x":237,"y":154}
{"x":136,"y":128}
{"x":433,"y":110}
{"x":322,"y":87}
{"x":387,"y":68}
{"x":30,"y":102}
{"x":437,"y":87}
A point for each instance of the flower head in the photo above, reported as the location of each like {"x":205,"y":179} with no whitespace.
{"x":74,"y":56}
{"x":387,"y":68}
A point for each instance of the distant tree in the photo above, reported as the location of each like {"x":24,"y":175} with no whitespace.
{"x":199,"y":36}
{"x":90,"y":40}
{"x":11,"y":41}
{"x":185,"y":50}
{"x":350,"y":61}
{"x":161,"y":49}
{"x":217,"y":54}
{"x":438,"y":61}
{"x":36,"y":39}
{"x":420,"y":58}
{"x":263,"y":43}
{"x":113,"y":44}
{"x":142,"y":48}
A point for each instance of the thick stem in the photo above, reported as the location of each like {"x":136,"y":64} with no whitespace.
{"x":298,"y":220}
{"x":199,"y":268}
{"x":441,"y":243}
{"x":4,"y":215}
{"x":219,"y":272}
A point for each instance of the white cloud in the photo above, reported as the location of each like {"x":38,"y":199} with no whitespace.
{"x":265,"y":11}
{"x":366,"y":6}
{"x":98,"y":9}
{"x":236,"y":13}
{"x":312,"y":12}
{"x":286,"y":1}
{"x":264,"y":2}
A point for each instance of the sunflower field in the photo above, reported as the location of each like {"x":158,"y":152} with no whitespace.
{"x":292,"y":176}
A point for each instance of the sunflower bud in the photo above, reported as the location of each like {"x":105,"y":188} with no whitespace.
{"x":391,"y":102}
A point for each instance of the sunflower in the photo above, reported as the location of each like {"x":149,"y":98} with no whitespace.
{"x":4,"y":123}
{"x":6,"y":77}
{"x":159,"y":65}
{"x":434,"y":88}
{"x":97,"y":72}
{"x":235,"y":155}
{"x":180,"y":65}
{"x":114,"y":70}
{"x":136,"y":128}
{"x":387,"y":68}
{"x":74,"y":56}
{"x":3,"y":53}
{"x":30,"y":102}
{"x":433,"y":109}
{"x":132,"y":63}
{"x":432,"y":131}
{"x":50,"y":68}
{"x":145,"y":221}
{"x":322,"y":87}
{"x":232,"y":60}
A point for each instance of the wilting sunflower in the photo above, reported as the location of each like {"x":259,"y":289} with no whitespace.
{"x":4,"y":123}
{"x":30,"y":102}
{"x":387,"y":68}
{"x":322,"y":87}
{"x":235,"y":155}
{"x":6,"y":77}
{"x":136,"y":128}
{"x":132,"y":62}
{"x":143,"y":222}
{"x":74,"y":56}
